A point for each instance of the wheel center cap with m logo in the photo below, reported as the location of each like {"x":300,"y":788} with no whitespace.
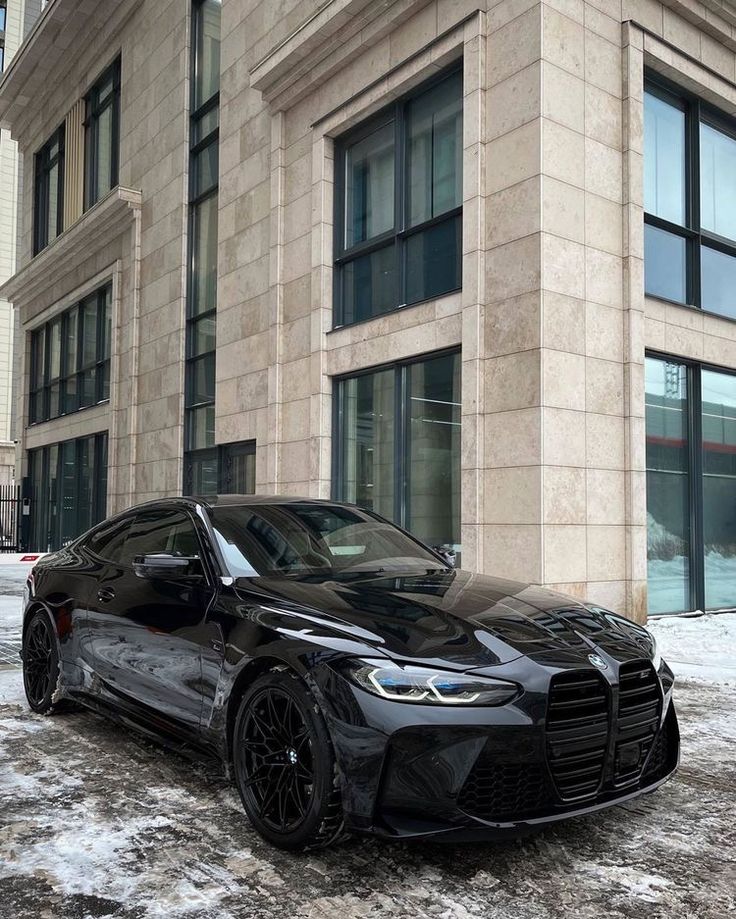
{"x":597,"y":661}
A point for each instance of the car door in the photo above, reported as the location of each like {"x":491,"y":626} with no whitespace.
{"x":146,"y":633}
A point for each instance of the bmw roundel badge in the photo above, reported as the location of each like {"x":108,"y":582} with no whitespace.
{"x":597,"y":661}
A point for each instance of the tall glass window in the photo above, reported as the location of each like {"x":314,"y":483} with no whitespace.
{"x":691,"y":486}
{"x":70,"y":359}
{"x":718,"y":403}
{"x":48,"y":208}
{"x":399,"y":204}
{"x":689,"y":200}
{"x":68,"y":490}
{"x":102,"y":136}
{"x":201,"y":462}
{"x":397,"y":446}
{"x":668,"y":486}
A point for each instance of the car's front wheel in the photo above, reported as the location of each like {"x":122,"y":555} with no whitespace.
{"x":284,"y":764}
{"x":40,"y":663}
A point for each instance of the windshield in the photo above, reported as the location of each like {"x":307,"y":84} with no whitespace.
{"x":313,"y":539}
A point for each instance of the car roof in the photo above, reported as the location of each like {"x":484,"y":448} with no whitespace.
{"x":212,"y":501}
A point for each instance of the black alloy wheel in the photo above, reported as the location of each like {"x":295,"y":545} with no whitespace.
{"x":284,"y":764}
{"x":40,"y":663}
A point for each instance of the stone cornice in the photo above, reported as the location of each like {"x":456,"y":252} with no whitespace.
{"x":46,"y":52}
{"x":288,"y":66}
{"x":95,"y":230}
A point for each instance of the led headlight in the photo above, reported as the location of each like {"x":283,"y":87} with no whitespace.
{"x":426,"y":686}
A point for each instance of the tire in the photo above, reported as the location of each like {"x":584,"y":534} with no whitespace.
{"x":284,"y":764}
{"x":41,"y":664}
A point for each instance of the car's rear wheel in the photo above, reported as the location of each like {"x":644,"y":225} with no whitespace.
{"x":284,"y":764}
{"x":40,"y":663}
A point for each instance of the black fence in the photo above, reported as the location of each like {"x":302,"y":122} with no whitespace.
{"x":10,"y":518}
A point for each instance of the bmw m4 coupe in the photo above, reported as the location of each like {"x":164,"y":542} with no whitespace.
{"x":347,"y":676}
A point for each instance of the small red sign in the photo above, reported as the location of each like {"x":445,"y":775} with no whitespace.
{"x":30,"y":558}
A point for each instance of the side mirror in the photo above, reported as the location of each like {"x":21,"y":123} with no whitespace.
{"x":166,"y":566}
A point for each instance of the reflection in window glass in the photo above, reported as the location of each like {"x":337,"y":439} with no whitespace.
{"x":207,"y":71}
{"x":369,"y":186}
{"x":201,"y":427}
{"x":719,"y":487}
{"x":433,"y":260}
{"x":718,"y":281}
{"x":201,"y":380}
{"x":433,"y":512}
{"x":370,"y":283}
{"x":202,"y":474}
{"x":204,"y":257}
{"x":104,"y":177}
{"x":668,"y":507}
{"x":664,"y":160}
{"x":435,"y":139}
{"x":717,"y":182}
{"x":399,"y":446}
{"x":368,"y":441}
{"x":664,"y":264}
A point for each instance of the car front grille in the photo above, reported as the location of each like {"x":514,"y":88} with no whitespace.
{"x":578,"y":723}
{"x":639,"y":713}
{"x":580,"y":732}
{"x":659,"y":760}
{"x":503,"y":791}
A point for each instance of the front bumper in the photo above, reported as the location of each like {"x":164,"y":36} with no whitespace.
{"x":474,"y":773}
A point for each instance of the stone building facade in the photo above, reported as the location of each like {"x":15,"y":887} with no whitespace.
{"x":16,"y":17}
{"x":465,"y":262}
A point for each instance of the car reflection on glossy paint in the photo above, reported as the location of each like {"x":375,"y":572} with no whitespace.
{"x":346,"y":675}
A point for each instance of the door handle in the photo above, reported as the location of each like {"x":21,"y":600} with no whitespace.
{"x":105,"y":594}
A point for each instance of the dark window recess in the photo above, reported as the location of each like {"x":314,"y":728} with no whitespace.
{"x":70,"y":359}
{"x":68,"y":490}
{"x":398,"y":204}
{"x":201,"y":475}
{"x":689,"y":200}
{"x":397,"y":446}
{"x":102,"y":136}
{"x":48,"y":208}
{"x":691,"y":470}
{"x":229,"y":469}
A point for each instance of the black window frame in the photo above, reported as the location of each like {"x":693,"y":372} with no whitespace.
{"x":402,"y":396}
{"x":4,"y":11}
{"x":94,"y":109}
{"x":204,"y":136}
{"x":696,"y":547}
{"x":43,"y":164}
{"x":39,"y":395}
{"x":98,"y":510}
{"x":401,"y":232}
{"x":222,"y":455}
{"x":696,"y":111}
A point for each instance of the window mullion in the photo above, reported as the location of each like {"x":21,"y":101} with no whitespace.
{"x":693,"y":175}
{"x":400,"y":192}
{"x":697,"y":545}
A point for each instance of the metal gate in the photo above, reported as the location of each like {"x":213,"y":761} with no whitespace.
{"x":10,"y":517}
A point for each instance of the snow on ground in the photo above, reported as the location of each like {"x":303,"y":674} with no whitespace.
{"x":12,"y":579}
{"x":699,"y":647}
{"x":97,"y":822}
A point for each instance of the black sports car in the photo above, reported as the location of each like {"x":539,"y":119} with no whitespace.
{"x":346,"y":674}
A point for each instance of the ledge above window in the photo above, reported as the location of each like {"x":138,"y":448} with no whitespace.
{"x":93,"y":232}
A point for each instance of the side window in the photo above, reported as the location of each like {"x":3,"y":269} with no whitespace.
{"x":167,"y":531}
{"x":108,"y":541}
{"x":183,"y":539}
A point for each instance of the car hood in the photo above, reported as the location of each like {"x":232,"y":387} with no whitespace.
{"x":454,"y":618}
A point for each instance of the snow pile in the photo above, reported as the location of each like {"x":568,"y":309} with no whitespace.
{"x":700,"y":648}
